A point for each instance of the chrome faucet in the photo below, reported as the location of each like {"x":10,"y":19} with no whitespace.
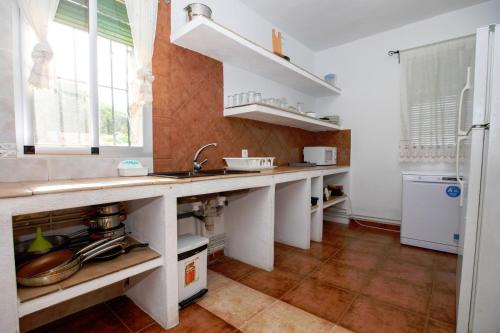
{"x":198,"y":165}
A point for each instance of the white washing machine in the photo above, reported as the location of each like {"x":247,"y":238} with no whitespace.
{"x":431,"y":211}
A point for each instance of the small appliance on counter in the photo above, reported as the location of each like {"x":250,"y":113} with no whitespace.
{"x":192,"y":268}
{"x":131,"y":168}
{"x":321,"y":155}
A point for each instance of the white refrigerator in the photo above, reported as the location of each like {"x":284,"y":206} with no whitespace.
{"x":478,"y":161}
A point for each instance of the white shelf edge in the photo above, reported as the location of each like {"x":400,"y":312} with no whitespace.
{"x":198,"y":21}
{"x":42,"y":302}
{"x":330,"y":172}
{"x":330,"y":203}
{"x":314,"y":208}
{"x":259,"y":111}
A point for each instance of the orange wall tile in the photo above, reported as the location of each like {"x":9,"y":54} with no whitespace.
{"x":188,"y":104}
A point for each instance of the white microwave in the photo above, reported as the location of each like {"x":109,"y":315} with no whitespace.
{"x":321,"y":155}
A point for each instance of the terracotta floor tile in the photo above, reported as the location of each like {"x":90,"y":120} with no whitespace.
{"x":381,"y":236}
{"x":194,"y":319}
{"x":336,"y":240}
{"x":343,"y":230}
{"x":443,"y":306}
{"x":366,"y":315}
{"x":413,"y":255}
{"x":95,"y":319}
{"x":439,"y":327}
{"x":296,"y":263}
{"x":367,"y":246}
{"x":412,"y":273}
{"x":320,"y":299}
{"x":342,"y":275}
{"x":129,"y":313}
{"x":445,"y":281}
{"x":360,"y":260}
{"x":282,"y":317}
{"x":215,"y":281}
{"x":446,"y":262}
{"x":320,"y":251}
{"x":231,"y":268}
{"x":275,"y":283}
{"x":399,"y":293}
{"x":236,"y":303}
{"x":340,"y":329}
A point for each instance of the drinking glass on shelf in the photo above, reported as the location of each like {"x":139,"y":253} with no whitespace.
{"x":300,"y":107}
{"x":236,"y":101}
{"x":243,"y":98}
{"x":229,"y":103}
{"x":251,"y":97}
{"x":258,"y":98}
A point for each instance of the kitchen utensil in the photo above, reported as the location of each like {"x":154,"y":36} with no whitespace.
{"x":109,"y":209}
{"x":198,"y":9}
{"x":59,"y":265}
{"x":117,"y":251}
{"x":58,"y":242}
{"x":40,"y":244}
{"x":107,"y":222}
{"x":314,"y":201}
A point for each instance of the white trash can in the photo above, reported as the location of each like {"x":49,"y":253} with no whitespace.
{"x":192,"y":268}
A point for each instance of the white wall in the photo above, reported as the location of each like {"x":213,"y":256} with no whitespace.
{"x":370,"y":103}
{"x":246,"y":22}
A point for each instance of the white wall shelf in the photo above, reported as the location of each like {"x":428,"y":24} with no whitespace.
{"x":204,"y":36}
{"x":277,"y":116}
{"x":334,"y":201}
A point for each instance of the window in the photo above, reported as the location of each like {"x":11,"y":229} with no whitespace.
{"x":90,"y":101}
{"x":432,"y":79}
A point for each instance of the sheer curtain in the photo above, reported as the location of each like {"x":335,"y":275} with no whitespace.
{"x":39,"y":14}
{"x":432,"y":78}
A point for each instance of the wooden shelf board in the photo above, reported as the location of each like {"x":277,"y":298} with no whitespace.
{"x":205,"y":36}
{"x":91,"y":276}
{"x":314,"y":208}
{"x":278,"y":116}
{"x":334,"y":201}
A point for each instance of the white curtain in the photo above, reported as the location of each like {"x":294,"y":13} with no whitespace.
{"x":39,"y":14}
{"x":142,"y":18}
{"x":432,"y":78}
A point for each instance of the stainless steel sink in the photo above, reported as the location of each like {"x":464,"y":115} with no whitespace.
{"x":202,"y":173}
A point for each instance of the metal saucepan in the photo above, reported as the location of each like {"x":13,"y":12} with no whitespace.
{"x":198,"y":9}
{"x":109,"y":209}
{"x":110,"y":233}
{"x":107,"y":222}
{"x":59,"y":265}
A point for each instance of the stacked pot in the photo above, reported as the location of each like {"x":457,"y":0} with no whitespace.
{"x":108,"y":222}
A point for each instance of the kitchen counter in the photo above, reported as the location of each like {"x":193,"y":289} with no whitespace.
{"x":23,"y":189}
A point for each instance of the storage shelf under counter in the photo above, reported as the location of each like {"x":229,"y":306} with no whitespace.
{"x":92,"y":276}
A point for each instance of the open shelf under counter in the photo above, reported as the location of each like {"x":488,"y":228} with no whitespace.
{"x":334,"y":201}
{"x":90,"y":277}
{"x":204,"y":36}
{"x":273,"y":115}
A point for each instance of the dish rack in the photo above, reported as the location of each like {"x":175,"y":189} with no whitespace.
{"x":249,"y":163}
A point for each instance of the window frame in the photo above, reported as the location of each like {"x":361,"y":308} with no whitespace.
{"x":24,"y":110}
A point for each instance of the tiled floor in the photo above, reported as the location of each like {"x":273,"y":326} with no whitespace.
{"x":358,"y":279}
{"x":361,"y":279}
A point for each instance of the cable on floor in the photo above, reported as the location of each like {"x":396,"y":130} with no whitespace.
{"x":351,"y":217}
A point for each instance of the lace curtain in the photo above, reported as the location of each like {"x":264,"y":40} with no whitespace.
{"x":432,"y":78}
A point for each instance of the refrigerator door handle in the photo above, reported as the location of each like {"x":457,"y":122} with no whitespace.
{"x":457,"y":166}
{"x":467,"y":86}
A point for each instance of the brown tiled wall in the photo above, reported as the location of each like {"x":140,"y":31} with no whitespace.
{"x":188,"y":112}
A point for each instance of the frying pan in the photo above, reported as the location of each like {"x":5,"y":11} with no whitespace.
{"x":60,"y":265}
{"x":58,"y":242}
{"x":117,"y":251}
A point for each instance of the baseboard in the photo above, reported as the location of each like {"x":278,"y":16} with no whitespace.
{"x":376,"y":220}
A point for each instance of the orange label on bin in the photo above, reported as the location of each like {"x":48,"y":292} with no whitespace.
{"x":190,"y":272}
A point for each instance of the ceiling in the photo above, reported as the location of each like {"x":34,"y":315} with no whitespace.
{"x":320,"y":24}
